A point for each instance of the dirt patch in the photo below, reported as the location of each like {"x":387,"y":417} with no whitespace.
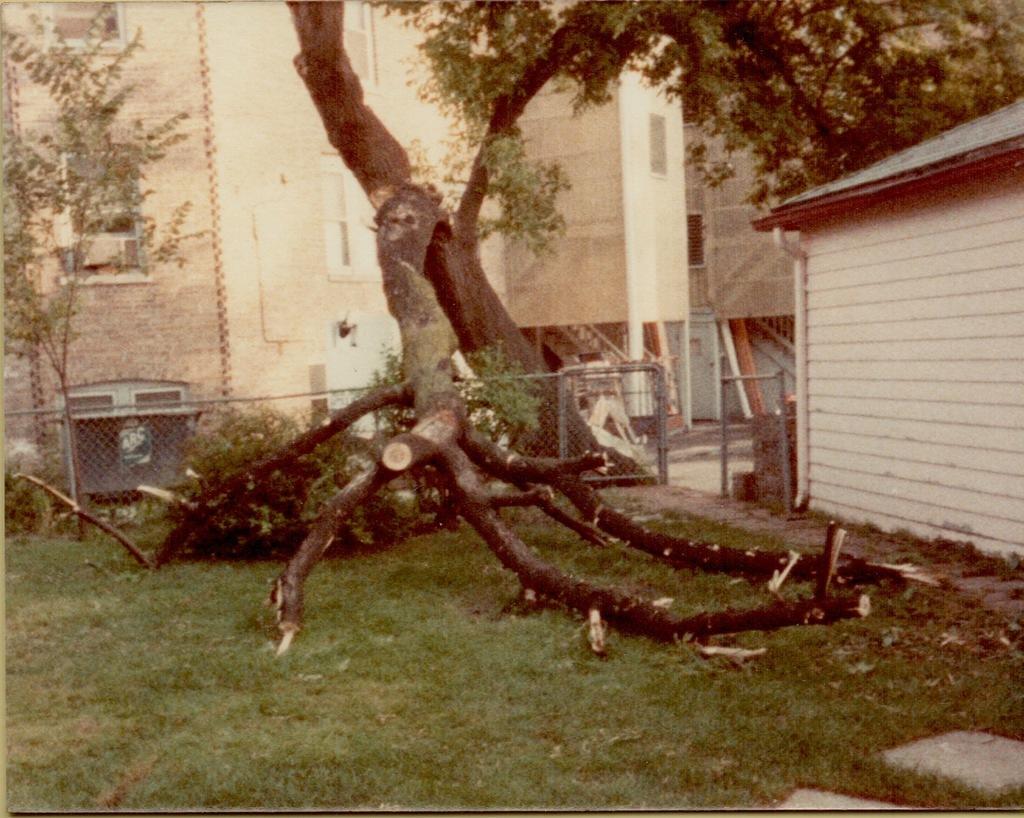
{"x":980,"y":578}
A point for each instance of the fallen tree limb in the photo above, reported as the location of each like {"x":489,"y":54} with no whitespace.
{"x":586,"y":531}
{"x":288,"y":591}
{"x":625,"y":610}
{"x":82,"y":514}
{"x":834,"y":537}
{"x":677,"y":551}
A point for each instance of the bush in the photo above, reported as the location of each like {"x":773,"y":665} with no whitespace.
{"x":502,"y":404}
{"x":500,"y":401}
{"x":272,"y":518}
{"x":27,"y":508}
{"x":268,"y":520}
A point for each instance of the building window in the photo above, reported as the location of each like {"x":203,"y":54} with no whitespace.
{"x":337,"y":240}
{"x":695,"y":239}
{"x":106,"y":236}
{"x":359,"y":39}
{"x":659,"y":150}
{"x":78,"y":23}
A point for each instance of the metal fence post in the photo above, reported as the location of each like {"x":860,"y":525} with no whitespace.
{"x":563,"y":419}
{"x":661,"y":395}
{"x":724,"y":459}
{"x":787,"y":478}
{"x":69,"y":458}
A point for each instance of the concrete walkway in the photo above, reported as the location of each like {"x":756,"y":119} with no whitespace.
{"x":990,"y":764}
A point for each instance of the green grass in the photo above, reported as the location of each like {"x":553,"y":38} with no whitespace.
{"x":421,"y":682}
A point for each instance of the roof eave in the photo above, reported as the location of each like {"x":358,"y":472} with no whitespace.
{"x":991,"y":157}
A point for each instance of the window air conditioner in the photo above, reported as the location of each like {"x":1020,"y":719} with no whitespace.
{"x":112,"y":251}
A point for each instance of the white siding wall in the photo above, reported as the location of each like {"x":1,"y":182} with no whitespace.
{"x":916,"y":365}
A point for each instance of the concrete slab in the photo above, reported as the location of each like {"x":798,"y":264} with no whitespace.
{"x":821,"y":800}
{"x":704,"y":475}
{"x":981,"y":760}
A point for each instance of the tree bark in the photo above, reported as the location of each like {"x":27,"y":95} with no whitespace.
{"x":629,"y":612}
{"x":677,"y":551}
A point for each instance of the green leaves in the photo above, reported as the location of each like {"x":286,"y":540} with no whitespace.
{"x":811,"y":90}
{"x":526,"y":193}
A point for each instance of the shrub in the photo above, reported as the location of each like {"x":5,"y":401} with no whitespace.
{"x":501,"y":403}
{"x":272,"y":518}
{"x":27,"y":508}
{"x":269,"y":518}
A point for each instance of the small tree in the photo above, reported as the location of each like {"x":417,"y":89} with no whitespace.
{"x":75,"y":194}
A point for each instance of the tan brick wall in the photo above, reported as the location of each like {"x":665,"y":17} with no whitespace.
{"x":582,"y":280}
{"x":270,"y":141}
{"x":267,"y":141}
{"x":143,"y":330}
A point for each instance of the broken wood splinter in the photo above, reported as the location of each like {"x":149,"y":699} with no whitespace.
{"x":775,"y":583}
{"x":834,"y":538}
{"x":597,"y":632}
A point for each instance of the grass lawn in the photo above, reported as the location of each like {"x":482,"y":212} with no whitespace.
{"x":421,"y":682}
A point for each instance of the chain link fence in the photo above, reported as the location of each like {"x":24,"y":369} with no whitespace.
{"x":123,"y":446}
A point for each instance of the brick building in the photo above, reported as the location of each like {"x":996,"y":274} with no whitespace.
{"x":287,"y":256}
{"x":286,"y":251}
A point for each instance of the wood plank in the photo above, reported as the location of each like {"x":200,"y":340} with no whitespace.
{"x":929,"y":472}
{"x":886,"y":249}
{"x":663,"y":355}
{"x":846,"y":504}
{"x":972,"y":349}
{"x":965,"y":327}
{"x":962,"y":371}
{"x":1005,"y":252}
{"x":987,"y":394}
{"x":734,"y":368}
{"x":974,"y":280}
{"x":898,"y":426}
{"x":981,"y":512}
{"x":987,"y":460}
{"x":745,"y":356}
{"x":1003,"y":418}
{"x":986,"y":303}
{"x":973,"y":207}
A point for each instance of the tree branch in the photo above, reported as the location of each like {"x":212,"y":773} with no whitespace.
{"x":195,"y":526}
{"x":505,"y":112}
{"x":369,"y":150}
{"x":288,"y":591}
{"x":629,"y":612}
{"x":677,"y":551}
{"x":130,"y":547}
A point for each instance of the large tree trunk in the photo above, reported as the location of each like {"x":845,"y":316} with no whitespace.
{"x":437,"y":293}
{"x":425,"y":267}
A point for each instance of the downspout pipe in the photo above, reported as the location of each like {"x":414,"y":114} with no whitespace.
{"x":796,"y":252}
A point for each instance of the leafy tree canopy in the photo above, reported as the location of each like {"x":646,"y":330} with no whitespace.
{"x":810,"y":89}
